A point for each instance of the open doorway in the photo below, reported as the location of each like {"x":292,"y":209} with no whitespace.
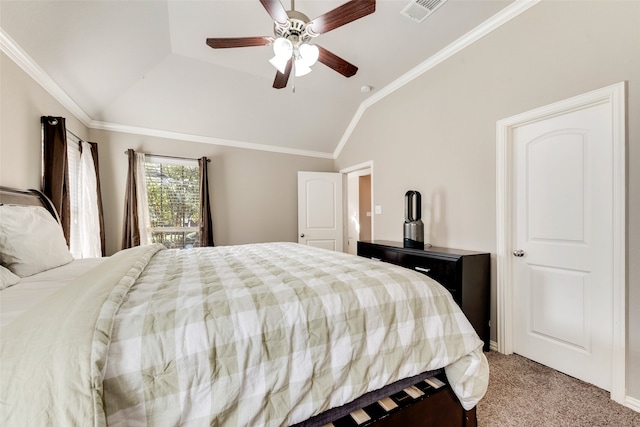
{"x":359,"y":203}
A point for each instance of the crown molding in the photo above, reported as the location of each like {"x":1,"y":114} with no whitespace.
{"x":29,"y":66}
{"x":496,"y":21}
{"x":114,"y":127}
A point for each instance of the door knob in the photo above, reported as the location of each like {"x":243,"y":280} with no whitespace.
{"x":518,"y":253}
{"x":302,"y":235}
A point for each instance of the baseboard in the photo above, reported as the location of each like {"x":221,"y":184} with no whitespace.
{"x":493,"y":346}
{"x":632,"y":403}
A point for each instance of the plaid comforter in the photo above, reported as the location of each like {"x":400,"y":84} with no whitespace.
{"x":265,"y":334}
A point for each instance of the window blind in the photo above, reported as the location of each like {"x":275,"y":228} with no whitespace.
{"x":174,"y":202}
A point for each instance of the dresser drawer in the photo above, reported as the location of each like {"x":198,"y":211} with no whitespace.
{"x":379,"y":253}
{"x":441,"y":270}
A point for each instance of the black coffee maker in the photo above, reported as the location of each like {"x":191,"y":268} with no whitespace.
{"x":413,"y":226}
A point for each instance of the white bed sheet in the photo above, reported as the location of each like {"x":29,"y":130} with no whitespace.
{"x":31,"y":290}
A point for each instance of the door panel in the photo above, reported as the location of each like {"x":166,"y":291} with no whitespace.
{"x":558,"y":310}
{"x":320,"y":210}
{"x":556,"y":178}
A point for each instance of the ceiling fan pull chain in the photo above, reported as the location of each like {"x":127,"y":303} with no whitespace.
{"x":293,"y":77}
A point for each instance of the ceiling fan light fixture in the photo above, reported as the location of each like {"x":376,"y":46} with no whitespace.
{"x":279,"y":62}
{"x":301,"y":68}
{"x":309,"y":53}
{"x":282,"y":47}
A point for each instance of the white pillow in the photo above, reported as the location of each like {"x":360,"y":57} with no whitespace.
{"x":31,"y":240}
{"x":7,"y":278}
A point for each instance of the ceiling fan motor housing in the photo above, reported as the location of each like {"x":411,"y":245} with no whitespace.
{"x":297,"y":29}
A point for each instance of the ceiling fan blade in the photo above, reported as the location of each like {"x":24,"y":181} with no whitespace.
{"x":282,"y":78}
{"x":276,"y":10}
{"x":348,"y":12}
{"x":227,"y":42}
{"x":333,"y":61}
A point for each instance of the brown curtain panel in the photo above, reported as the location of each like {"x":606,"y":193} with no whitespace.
{"x":55,"y":174}
{"x":206,"y":225}
{"x":94,"y":154}
{"x":131,"y":231}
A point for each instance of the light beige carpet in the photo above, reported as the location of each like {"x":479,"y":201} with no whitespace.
{"x":524,"y":393}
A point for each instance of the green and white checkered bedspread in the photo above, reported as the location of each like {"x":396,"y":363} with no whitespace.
{"x":264,"y":334}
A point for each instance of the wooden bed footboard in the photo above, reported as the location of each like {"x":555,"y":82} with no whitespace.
{"x":424,"y":404}
{"x":439,"y":410}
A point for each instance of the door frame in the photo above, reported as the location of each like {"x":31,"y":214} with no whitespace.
{"x":368,"y":165}
{"x":614,"y":96}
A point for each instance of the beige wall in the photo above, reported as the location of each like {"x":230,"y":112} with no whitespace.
{"x":253,"y":193}
{"x":22,"y":103}
{"x":437,"y":133}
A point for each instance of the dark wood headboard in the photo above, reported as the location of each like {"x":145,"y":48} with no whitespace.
{"x":14,"y":196}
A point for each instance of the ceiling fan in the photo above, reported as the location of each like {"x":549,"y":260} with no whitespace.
{"x":293,"y":31}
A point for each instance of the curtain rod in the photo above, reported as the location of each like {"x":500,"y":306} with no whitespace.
{"x":76,"y":136}
{"x":53,"y":121}
{"x":169,"y":157}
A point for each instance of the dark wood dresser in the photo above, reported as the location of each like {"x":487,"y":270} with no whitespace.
{"x":466,"y":274}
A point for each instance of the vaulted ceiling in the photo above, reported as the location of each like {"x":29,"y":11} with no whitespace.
{"x":144,"y":66}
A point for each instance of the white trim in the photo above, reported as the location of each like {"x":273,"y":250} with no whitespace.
{"x":632,"y":403}
{"x":503,"y":218}
{"x":24,"y":61}
{"x":368,"y":165}
{"x":496,"y":21}
{"x":615,"y":96}
{"x":29,"y":66}
{"x":364,"y":165}
{"x":204,"y":139}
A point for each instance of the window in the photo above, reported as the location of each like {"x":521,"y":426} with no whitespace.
{"x":173,"y":195}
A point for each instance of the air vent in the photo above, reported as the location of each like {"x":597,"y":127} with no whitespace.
{"x":418,"y":10}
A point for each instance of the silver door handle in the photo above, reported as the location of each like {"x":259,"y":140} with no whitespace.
{"x":422,"y":269}
{"x":518,"y":253}
{"x":302,"y":235}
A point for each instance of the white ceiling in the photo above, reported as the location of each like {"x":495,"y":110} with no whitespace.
{"x":144,"y":64}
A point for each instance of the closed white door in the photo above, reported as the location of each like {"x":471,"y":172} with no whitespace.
{"x":320,"y":210}
{"x":562,"y":257}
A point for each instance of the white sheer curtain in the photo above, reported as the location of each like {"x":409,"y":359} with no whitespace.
{"x":88,"y":215}
{"x":84,"y":224}
{"x":144,"y":223}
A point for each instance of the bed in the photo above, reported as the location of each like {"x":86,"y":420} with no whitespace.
{"x":271,"y":334}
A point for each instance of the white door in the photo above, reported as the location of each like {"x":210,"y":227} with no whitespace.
{"x":562,"y":257}
{"x":320,"y":210}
